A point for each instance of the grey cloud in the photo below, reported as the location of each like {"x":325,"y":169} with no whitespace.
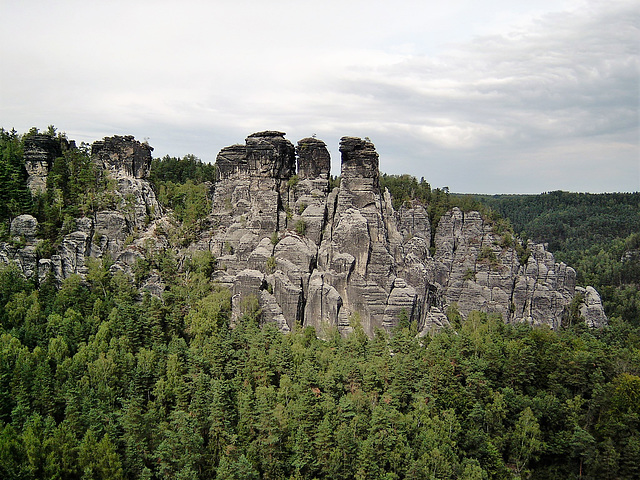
{"x":551,"y":104}
{"x":555,"y":88}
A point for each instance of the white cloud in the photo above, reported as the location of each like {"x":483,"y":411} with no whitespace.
{"x":459,"y":93}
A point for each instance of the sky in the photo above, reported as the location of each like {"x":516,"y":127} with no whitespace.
{"x":498,"y":96}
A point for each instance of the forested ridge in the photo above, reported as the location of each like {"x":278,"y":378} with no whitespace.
{"x":570,"y":221}
{"x":100,"y":381}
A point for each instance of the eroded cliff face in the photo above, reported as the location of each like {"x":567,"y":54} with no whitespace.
{"x":328,"y":259}
{"x":135,"y":209}
{"x":317,"y":257}
{"x":478,"y":271}
{"x":40,"y":151}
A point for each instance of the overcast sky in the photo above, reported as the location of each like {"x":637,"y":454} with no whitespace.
{"x":498,"y":96}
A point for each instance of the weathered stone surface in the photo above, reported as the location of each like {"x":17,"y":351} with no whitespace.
{"x":314,"y":218}
{"x":289,"y":297}
{"x":401,"y":302}
{"x":297,"y":249}
{"x":314,"y":161}
{"x":360,"y":178}
{"x":477,"y":273}
{"x":232,"y":163}
{"x":123,"y":155}
{"x":24,"y":258}
{"x":40,"y":151}
{"x":270,"y":155}
{"x":591,"y":309}
{"x":272,"y":312}
{"x":128,"y":162}
{"x":247,"y":283}
{"x":138,"y":201}
{"x":73,"y":251}
{"x":258,"y":258}
{"x":309,"y":256}
{"x":414,"y":222}
{"x":351,"y":236}
{"x":110,"y":232}
{"x":324,"y":304}
{"x":154,"y":285}
{"x":358,"y":257}
{"x":24,"y":226}
{"x":355,"y":254}
{"x":435,"y":320}
{"x":252,"y":189}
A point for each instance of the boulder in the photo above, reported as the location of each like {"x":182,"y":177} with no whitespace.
{"x":591,"y":309}
{"x":24,"y":226}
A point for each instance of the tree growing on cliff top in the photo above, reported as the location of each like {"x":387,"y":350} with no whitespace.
{"x":15,"y":197}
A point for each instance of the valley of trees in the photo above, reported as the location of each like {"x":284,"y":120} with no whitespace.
{"x":101,"y":381}
{"x":97,"y":382}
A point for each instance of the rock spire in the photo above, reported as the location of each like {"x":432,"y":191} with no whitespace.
{"x":312,"y":256}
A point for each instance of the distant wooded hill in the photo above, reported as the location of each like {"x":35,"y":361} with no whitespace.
{"x":569,"y":221}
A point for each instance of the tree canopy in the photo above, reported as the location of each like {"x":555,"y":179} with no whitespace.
{"x":98,"y":381}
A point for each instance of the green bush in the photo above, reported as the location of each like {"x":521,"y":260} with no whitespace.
{"x":270,"y":265}
{"x":487,"y":255}
{"x":301,"y":227}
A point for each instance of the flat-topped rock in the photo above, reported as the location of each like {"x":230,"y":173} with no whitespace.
{"x":314,"y":161}
{"x":123,"y":154}
{"x":269,"y":154}
{"x":359,"y":159}
{"x":40,"y":151}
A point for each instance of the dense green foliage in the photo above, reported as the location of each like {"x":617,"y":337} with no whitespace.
{"x":614,"y":270}
{"x":179,"y":170}
{"x":183,"y":185}
{"x":75,"y":187}
{"x":570,"y":221}
{"x":97,"y":382}
{"x":406,"y":190}
{"x":15,"y":197}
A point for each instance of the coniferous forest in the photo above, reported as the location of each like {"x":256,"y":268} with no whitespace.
{"x":100,"y":381}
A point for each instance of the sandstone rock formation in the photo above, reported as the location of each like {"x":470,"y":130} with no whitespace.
{"x":311,"y":256}
{"x":127,"y":162}
{"x":478,"y":271}
{"x":123,"y":156}
{"x":329,"y":259}
{"x":24,"y":226}
{"x":591,"y":309}
{"x":40,"y":151}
